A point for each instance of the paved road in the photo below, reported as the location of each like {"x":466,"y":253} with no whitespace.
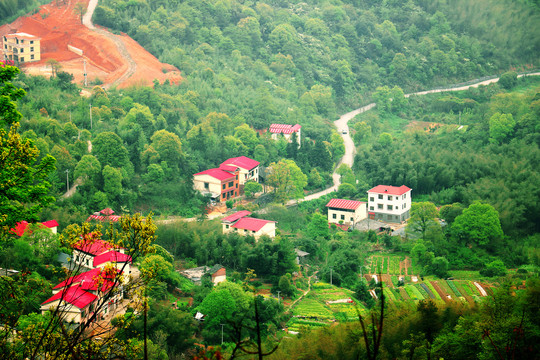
{"x":350,"y":148}
{"x":132,"y":65}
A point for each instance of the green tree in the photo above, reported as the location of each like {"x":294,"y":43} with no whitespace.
{"x":109,"y":150}
{"x":252,"y":187}
{"x":508,"y":80}
{"x":422,"y":215}
{"x":112,"y":181}
{"x":500,"y":127}
{"x":88,"y":169}
{"x":478,"y":224}
{"x":318,"y":226}
{"x":80,"y":10}
{"x":287,"y":180}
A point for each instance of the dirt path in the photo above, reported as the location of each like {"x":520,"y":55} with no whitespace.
{"x":304,"y":294}
{"x":132,"y":65}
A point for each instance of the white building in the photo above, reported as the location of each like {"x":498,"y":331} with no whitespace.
{"x":287,"y":131}
{"x":347,"y":212}
{"x":249,"y":168}
{"x":240,"y":223}
{"x":389,"y":203}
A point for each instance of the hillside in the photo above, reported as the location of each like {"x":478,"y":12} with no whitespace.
{"x":58,"y":25}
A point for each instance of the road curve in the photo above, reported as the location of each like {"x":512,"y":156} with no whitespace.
{"x":350,"y":149}
{"x":132,"y":65}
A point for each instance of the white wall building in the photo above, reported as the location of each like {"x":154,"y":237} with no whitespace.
{"x":347,"y":212}
{"x":389,"y":203}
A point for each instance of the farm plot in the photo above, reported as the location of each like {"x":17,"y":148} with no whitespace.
{"x":413,"y":292}
{"x":312,"y":309}
{"x":442,"y":294}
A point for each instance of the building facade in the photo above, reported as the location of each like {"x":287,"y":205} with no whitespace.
{"x":287,"y":131}
{"x":221,"y":183}
{"x":389,"y":203}
{"x":240,"y":223}
{"x":22,"y":48}
{"x":347,"y":212}
{"x":249,"y":168}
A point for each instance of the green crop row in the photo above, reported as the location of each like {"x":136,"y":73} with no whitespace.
{"x":385,"y":265}
{"x":422,"y":291}
{"x":389,"y":295}
{"x":413,"y":292}
{"x":435,"y":293}
{"x":453,"y":287}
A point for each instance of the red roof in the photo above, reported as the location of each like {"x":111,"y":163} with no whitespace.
{"x":96,"y":247}
{"x":21,"y":226}
{"x":251,"y":224}
{"x":111,"y":256}
{"x":89,"y":280}
{"x":107,"y":211}
{"x":113,"y":218}
{"x":242,"y":161}
{"x":344,"y":204}
{"x":236,"y":216}
{"x":219,"y":174}
{"x":284,"y":128}
{"x":73,"y":295}
{"x":229,"y":168}
{"x":392,"y":190}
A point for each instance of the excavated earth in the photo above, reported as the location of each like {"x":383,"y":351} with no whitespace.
{"x":116,"y":60}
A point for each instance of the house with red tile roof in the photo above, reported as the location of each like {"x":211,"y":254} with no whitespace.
{"x":240,"y":223}
{"x":249,"y":168}
{"x":92,"y":253}
{"x":287,"y":131}
{"x":104,"y":215}
{"x":221,"y":183}
{"x":389,"y":203}
{"x":21,"y":226}
{"x":73,"y":303}
{"x":347,"y":212}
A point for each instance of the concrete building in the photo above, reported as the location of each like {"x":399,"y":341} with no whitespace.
{"x":217,"y":272}
{"x":389,"y":203}
{"x":347,"y":212}
{"x":221,"y":184}
{"x":287,"y":131}
{"x":249,"y":168}
{"x":240,"y":223}
{"x":22,"y":48}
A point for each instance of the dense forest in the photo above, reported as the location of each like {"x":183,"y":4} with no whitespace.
{"x":471,"y":157}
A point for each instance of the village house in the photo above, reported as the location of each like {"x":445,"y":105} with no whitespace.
{"x":21,"y":227}
{"x":389,"y":203}
{"x":347,"y":212}
{"x":22,"y":47}
{"x":249,"y":168}
{"x":218,"y":273}
{"x":240,"y":223}
{"x":287,"y":131}
{"x":98,"y":289}
{"x":104,"y":215}
{"x":220,"y":183}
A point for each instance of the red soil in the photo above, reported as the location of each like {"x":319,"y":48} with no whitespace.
{"x":58,"y":26}
{"x":440,"y":291}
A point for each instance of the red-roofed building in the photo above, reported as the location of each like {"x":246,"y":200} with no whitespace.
{"x":74,"y":303}
{"x":249,"y":168}
{"x":104,"y":215}
{"x":221,"y":184}
{"x":21,"y":226}
{"x":89,"y":281}
{"x":242,"y":224}
{"x":92,"y":253}
{"x":389,"y":203}
{"x":287,"y":131}
{"x":120,"y":260}
{"x":348,"y":212}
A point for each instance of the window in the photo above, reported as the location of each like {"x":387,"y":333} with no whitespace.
{"x":231,"y":184}
{"x":5,"y":46}
{"x":22,"y":41}
{"x":31,"y":49}
{"x":389,"y":207}
{"x":223,"y":186}
{"x":206,"y":185}
{"x":31,"y":57}
{"x":372,"y":199}
{"x":236,"y":185}
{"x":371,"y":208}
{"x":342,"y":217}
{"x":352,"y":219}
{"x":390,"y":197}
{"x":226,"y":226}
{"x":404,"y":196}
{"x":31,"y":41}
{"x":22,"y":50}
{"x":379,"y":206}
{"x":380,"y":196}
{"x":334,"y":216}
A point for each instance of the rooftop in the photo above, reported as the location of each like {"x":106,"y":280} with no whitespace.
{"x":111,"y":256}
{"x":344,"y":204}
{"x":22,"y":35}
{"x":73,"y":295}
{"x":242,"y":161}
{"x":251,"y":224}
{"x":219,"y":174}
{"x":21,"y":226}
{"x":93,"y":247}
{"x":284,"y":128}
{"x":392,"y":190}
{"x":236,"y":216}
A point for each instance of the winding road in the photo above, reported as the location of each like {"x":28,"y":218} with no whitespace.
{"x":350,"y":149}
{"x":132,"y":65}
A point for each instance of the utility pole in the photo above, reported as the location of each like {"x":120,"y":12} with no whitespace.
{"x":90,"y":116}
{"x":85,"y":74}
{"x":278,"y":299}
{"x":67,"y":179}
{"x":331,"y":275}
{"x":222,"y":325}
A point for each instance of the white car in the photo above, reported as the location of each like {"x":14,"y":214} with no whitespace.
{"x":344,"y":131}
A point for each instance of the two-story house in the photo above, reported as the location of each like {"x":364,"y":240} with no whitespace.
{"x":249,"y":168}
{"x":389,"y":203}
{"x":287,"y":131}
{"x":22,"y":47}
{"x":240,"y":223}
{"x":221,"y":183}
{"x":348,"y":212}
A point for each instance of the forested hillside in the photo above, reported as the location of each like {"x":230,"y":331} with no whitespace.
{"x":12,"y":9}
